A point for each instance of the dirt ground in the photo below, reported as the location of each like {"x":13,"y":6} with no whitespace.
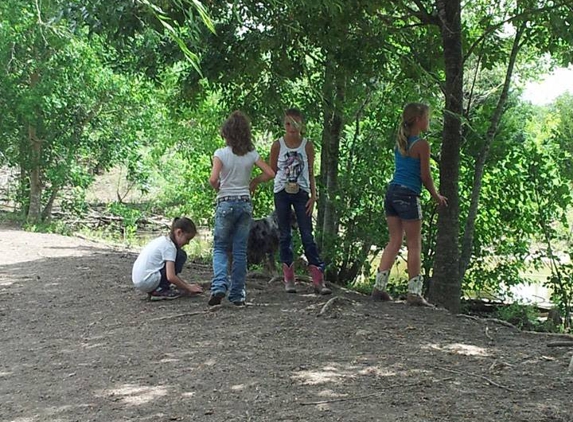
{"x":79,"y":344}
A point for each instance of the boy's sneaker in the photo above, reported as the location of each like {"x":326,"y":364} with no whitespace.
{"x":163,"y":294}
{"x":216,"y":298}
{"x":240,"y":303}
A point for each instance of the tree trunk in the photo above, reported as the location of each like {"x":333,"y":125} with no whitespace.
{"x":467,"y":241}
{"x":47,"y":213}
{"x":330,"y":223}
{"x":35,"y":204}
{"x":350,"y":270}
{"x":446,"y":289}
{"x":35,"y":207}
{"x":333,"y":123}
{"x":23,"y":187}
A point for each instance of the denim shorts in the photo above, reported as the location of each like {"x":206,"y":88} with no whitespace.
{"x":403,"y":202}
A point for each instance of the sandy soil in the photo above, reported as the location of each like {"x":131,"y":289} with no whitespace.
{"x":79,"y":344}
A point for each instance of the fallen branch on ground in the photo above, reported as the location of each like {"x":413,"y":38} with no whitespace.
{"x":559,"y":335}
{"x":495,"y":320}
{"x":501,"y":322}
{"x":507,"y":324}
{"x":475,"y":376}
{"x":330,"y":303}
{"x":560,"y":344}
{"x":185,"y":314}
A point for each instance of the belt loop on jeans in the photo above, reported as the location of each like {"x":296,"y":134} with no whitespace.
{"x":234,"y":198}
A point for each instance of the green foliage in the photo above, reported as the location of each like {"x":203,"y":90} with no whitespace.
{"x":561,"y":284}
{"x":70,"y":115}
{"x":129,"y":218}
{"x":56,"y":227}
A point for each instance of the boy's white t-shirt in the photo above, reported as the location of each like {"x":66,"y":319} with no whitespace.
{"x":236,"y":172}
{"x":145,"y":274}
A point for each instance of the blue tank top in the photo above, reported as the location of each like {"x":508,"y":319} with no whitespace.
{"x":408,"y":172}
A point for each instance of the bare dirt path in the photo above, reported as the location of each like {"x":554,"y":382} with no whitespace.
{"x":79,"y":344}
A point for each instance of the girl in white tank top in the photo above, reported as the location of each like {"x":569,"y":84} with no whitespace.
{"x":292,"y":168}
{"x":292,"y":158}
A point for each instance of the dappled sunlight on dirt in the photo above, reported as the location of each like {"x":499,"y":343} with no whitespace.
{"x":327,"y":375}
{"x":336,"y":374}
{"x":377,"y":371}
{"x":135,"y":395}
{"x":460,"y":349}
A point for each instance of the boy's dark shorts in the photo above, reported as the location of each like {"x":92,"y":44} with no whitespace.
{"x":403,"y":202}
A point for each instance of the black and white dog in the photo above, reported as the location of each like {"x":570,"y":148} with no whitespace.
{"x":263,"y":243}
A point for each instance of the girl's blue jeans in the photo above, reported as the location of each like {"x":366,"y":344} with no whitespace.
{"x":284,"y":202}
{"x":232,"y":223}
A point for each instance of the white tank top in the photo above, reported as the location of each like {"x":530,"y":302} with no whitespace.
{"x":292,"y":167}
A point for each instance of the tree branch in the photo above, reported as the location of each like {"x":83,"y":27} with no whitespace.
{"x":467,"y":241}
{"x":519,"y":16}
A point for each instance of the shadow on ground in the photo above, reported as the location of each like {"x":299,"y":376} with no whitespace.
{"x":78,"y":343}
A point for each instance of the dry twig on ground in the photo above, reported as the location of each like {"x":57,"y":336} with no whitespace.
{"x":475,"y":376}
{"x":185,"y":314}
{"x":330,"y":303}
{"x":560,"y":344}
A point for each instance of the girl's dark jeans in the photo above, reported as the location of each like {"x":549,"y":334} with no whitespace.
{"x":284,"y":202}
{"x":179,"y":262}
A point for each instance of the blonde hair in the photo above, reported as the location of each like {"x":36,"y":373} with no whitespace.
{"x":409,"y":115}
{"x":297,"y":114}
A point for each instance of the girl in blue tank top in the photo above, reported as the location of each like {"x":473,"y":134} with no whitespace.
{"x":402,"y":202}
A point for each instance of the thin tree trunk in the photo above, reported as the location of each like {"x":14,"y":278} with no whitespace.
{"x":349,"y":272}
{"x":330,"y":223}
{"x":321,"y":178}
{"x":23,"y":187}
{"x":334,"y":91}
{"x":467,"y":241}
{"x":35,"y":205}
{"x":47,"y":212}
{"x":446,"y":289}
